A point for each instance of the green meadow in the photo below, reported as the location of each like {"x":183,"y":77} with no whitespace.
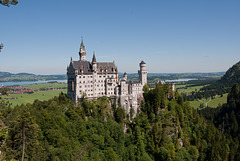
{"x":40,"y":95}
{"x":182,"y":88}
{"x":209,"y":102}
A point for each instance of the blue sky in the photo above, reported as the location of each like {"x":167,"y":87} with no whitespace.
{"x":171,"y":36}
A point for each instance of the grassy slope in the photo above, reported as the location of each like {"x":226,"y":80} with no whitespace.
{"x":195,"y":104}
{"x":40,"y":95}
{"x":211,"y":103}
{"x":188,"y":89}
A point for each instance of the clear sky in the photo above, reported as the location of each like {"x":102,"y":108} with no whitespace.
{"x":171,"y":36}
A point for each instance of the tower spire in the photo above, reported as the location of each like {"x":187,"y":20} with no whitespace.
{"x":94,"y":60}
{"x":82,"y":45}
{"x":82,"y":52}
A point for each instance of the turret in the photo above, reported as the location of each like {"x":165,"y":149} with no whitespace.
{"x":173,"y":86}
{"x":82,"y":52}
{"x":125,"y":76}
{"x":143,"y":73}
{"x":94,"y":62}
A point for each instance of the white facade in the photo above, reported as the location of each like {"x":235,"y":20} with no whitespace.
{"x":96,"y":79}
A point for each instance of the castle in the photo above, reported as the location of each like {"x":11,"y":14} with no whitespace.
{"x":96,"y":79}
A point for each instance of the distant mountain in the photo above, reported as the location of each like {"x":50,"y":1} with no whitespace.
{"x":9,"y":77}
{"x":228,"y":79}
{"x":231,"y":76}
{"x":5,"y":74}
{"x":24,"y":74}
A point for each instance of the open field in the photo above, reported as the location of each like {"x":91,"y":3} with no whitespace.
{"x":184,"y":89}
{"x":181,"y":88}
{"x":210,"y":102}
{"x":25,"y":98}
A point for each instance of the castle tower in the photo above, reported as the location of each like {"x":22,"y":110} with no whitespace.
{"x":82,"y":52}
{"x":94,"y":62}
{"x":143,"y":73}
{"x":173,"y":86}
{"x":125,"y":76}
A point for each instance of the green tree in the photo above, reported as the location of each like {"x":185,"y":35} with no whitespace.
{"x":8,"y":2}
{"x":4,"y":91}
{"x":201,"y":106}
{"x":146,"y":88}
{"x":110,"y":155}
{"x":1,"y":46}
{"x":120,"y":115}
{"x":23,"y":134}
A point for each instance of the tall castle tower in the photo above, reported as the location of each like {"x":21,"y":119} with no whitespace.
{"x":143,"y":73}
{"x":94,"y":63}
{"x":82,"y":52}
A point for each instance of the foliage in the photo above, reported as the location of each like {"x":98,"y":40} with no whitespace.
{"x":4,"y":91}
{"x":227,"y":118}
{"x":8,"y":2}
{"x":167,"y":128}
{"x":1,"y":47}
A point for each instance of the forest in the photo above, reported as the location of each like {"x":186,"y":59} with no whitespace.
{"x":165,"y":128}
{"x":227,"y":116}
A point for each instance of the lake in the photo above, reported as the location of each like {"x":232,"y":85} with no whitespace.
{"x":65,"y":81}
{"x":29,"y":82}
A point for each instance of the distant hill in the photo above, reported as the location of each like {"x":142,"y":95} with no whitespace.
{"x":172,"y":76}
{"x":9,"y":77}
{"x":226,"y":82}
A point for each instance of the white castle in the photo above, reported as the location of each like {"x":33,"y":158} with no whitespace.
{"x":96,"y":79}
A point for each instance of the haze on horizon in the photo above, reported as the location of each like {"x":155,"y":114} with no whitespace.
{"x":174,"y":36}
